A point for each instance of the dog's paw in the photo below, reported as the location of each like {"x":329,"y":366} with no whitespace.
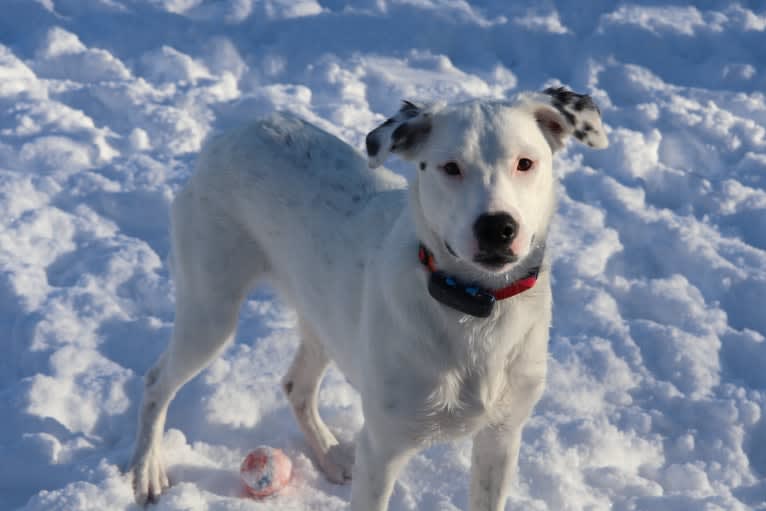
{"x":149,"y":478}
{"x":337,"y":462}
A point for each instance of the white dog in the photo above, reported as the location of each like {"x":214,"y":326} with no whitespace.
{"x":434,"y":301}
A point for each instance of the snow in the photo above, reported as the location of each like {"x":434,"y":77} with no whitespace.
{"x":656,"y":384}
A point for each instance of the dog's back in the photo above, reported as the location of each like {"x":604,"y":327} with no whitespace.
{"x":311,"y":204}
{"x":296,"y":166}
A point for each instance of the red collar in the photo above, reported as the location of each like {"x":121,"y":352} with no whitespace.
{"x":517,"y":287}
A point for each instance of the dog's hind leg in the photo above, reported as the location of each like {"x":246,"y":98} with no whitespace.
{"x":301,"y":384}
{"x":214,"y":265}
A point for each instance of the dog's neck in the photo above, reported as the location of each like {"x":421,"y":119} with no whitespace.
{"x":463,"y":270}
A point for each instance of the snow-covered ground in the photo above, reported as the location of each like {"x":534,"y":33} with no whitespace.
{"x":658,"y":351}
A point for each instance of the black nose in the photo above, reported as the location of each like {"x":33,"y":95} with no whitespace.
{"x":495,"y":231}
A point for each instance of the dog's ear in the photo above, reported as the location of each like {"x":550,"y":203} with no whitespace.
{"x":561,"y":113}
{"x":402,"y":134}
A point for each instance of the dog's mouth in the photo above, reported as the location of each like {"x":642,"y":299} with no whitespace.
{"x":490,"y":260}
{"x":495,"y":260}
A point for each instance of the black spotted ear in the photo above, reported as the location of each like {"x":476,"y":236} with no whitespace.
{"x":562,"y":113}
{"x":403,"y":134}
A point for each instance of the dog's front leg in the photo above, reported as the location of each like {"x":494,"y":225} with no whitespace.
{"x":496,"y":447}
{"x":495,"y":452}
{"x":493,"y":465}
{"x":378,"y":461}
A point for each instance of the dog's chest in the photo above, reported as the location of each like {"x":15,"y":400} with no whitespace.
{"x":448,"y":403}
{"x":460,"y":402}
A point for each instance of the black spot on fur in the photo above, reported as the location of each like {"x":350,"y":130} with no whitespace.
{"x":588,"y":127}
{"x":151,"y":377}
{"x":409,"y":109}
{"x":558,"y":105}
{"x":401,"y":132}
{"x":579,"y":134}
{"x":373,"y":146}
{"x":422,"y":165}
{"x":409,"y":134}
{"x":562,"y":94}
{"x":289,"y":387}
{"x":390,"y":404}
{"x":578,"y":101}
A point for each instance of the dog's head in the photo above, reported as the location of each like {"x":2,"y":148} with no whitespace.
{"x":485,"y":186}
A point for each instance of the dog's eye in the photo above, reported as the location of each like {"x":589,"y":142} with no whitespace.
{"x":451,"y":169}
{"x":524,"y":164}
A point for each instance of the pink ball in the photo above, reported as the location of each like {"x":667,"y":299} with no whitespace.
{"x":265,"y":471}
